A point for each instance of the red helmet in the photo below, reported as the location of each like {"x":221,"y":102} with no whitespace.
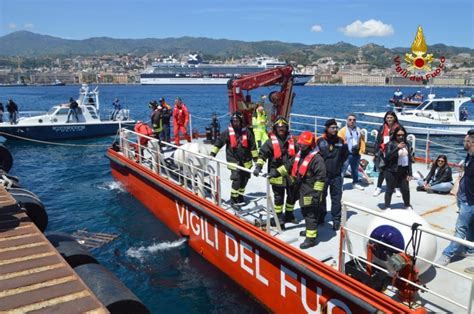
{"x":307,"y":138}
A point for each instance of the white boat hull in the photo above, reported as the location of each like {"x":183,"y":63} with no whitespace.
{"x":424,"y":126}
{"x":299,"y":79}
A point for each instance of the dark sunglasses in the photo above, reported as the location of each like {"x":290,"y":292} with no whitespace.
{"x":351,"y":119}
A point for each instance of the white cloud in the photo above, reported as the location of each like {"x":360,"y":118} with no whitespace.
{"x":12,"y":26}
{"x":28,"y":25}
{"x":316,"y":28}
{"x":369,"y":28}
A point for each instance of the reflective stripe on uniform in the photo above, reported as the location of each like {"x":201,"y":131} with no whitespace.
{"x":260,"y":162}
{"x":318,"y":186}
{"x":277,"y":180}
{"x":278,"y":209}
{"x":215,"y":150}
{"x":234,"y":193}
{"x":311,"y":233}
{"x":232,"y":166}
{"x":248,"y":164}
{"x":307,"y":200}
{"x":254,"y":153}
{"x":289,"y":207}
{"x":282,"y":170}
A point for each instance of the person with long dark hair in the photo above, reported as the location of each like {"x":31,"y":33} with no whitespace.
{"x":439,"y":179}
{"x":397,"y":170}
{"x":383,"y":138}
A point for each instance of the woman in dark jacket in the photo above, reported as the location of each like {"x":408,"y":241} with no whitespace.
{"x":397,"y":170}
{"x":440,"y":178}
{"x":383,"y":137}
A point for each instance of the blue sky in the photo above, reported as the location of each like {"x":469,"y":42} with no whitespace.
{"x":388,"y":23}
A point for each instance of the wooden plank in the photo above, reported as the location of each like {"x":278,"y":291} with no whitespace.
{"x":21,"y":241}
{"x":24,"y":229}
{"x":75,"y":306}
{"x":30,"y":297}
{"x":24,"y":252}
{"x":34,"y":278}
{"x":30,"y":264}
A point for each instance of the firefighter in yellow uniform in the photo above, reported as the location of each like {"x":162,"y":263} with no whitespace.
{"x":309,"y":172}
{"x":259,"y":125}
{"x":240,"y":150}
{"x":278,"y":150}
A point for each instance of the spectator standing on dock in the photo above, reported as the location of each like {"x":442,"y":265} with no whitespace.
{"x":259,"y":125}
{"x":12,"y":109}
{"x":439,"y":179}
{"x":180,"y":120}
{"x":465,"y":198}
{"x":165,"y":134}
{"x":333,"y":149}
{"x":240,"y":150}
{"x":383,"y":138}
{"x":397,"y":170}
{"x":117,"y":108}
{"x":351,"y":133}
{"x":73,"y":105}
{"x":278,"y":150}
{"x":309,"y":172}
{"x":1,"y":112}
{"x":397,"y":96}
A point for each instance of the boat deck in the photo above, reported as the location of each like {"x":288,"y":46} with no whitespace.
{"x":34,"y":277}
{"x":440,"y":211}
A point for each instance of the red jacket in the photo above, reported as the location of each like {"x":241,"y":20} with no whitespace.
{"x":180,"y":116}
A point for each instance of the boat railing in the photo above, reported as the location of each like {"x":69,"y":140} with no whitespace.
{"x":426,"y":147}
{"x":195,"y":171}
{"x":122,"y":115}
{"x":27,"y":114}
{"x":347,"y":250}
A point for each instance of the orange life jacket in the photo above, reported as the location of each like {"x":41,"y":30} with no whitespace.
{"x":277,"y":149}
{"x":143,"y":129}
{"x":233,"y":138}
{"x":304,"y":165}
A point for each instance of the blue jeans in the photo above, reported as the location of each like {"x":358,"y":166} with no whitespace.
{"x":443,"y":187}
{"x":353,"y":161}
{"x":464,"y":229}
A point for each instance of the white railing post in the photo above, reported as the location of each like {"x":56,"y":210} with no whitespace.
{"x":190,"y":127}
{"x":218,"y":185}
{"x":427,"y":149}
{"x":342,"y":242}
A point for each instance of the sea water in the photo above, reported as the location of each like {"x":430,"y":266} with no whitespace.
{"x":75,"y":184}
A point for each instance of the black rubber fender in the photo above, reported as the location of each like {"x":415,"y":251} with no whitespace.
{"x":6,"y":158}
{"x":15,"y":181}
{"x":110,"y":290}
{"x":33,"y":206}
{"x":73,"y":252}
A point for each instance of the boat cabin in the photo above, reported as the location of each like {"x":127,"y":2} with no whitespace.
{"x":442,"y":109}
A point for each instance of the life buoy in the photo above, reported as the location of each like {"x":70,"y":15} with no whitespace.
{"x":33,"y":206}
{"x":6,"y":158}
{"x":74,"y":253}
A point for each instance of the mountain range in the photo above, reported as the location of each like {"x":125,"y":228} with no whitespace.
{"x":32,"y":45}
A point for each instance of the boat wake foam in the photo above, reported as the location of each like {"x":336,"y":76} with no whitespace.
{"x":111,"y":186}
{"x":141,"y":252}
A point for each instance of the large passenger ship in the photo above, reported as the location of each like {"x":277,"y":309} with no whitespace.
{"x":196,"y":71}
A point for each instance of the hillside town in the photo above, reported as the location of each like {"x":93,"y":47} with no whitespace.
{"x":126,"y":69}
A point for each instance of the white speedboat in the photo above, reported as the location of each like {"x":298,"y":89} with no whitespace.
{"x":53,"y":125}
{"x":444,"y":116}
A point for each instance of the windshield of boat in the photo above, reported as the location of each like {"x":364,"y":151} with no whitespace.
{"x":440,"y":106}
{"x":52,"y":110}
{"x":422,"y":105}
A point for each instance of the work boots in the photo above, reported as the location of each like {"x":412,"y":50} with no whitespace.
{"x":308,"y":242}
{"x":281,"y":220}
{"x":290,"y":217}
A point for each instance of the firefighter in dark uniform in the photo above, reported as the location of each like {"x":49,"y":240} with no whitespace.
{"x":309,"y":172}
{"x":334,"y":151}
{"x":278,"y":150}
{"x":240,"y":150}
{"x":157,"y":121}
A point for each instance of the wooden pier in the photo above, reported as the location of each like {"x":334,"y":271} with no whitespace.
{"x":34,"y":278}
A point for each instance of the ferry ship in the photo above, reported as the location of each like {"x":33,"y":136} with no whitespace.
{"x":196,"y":71}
